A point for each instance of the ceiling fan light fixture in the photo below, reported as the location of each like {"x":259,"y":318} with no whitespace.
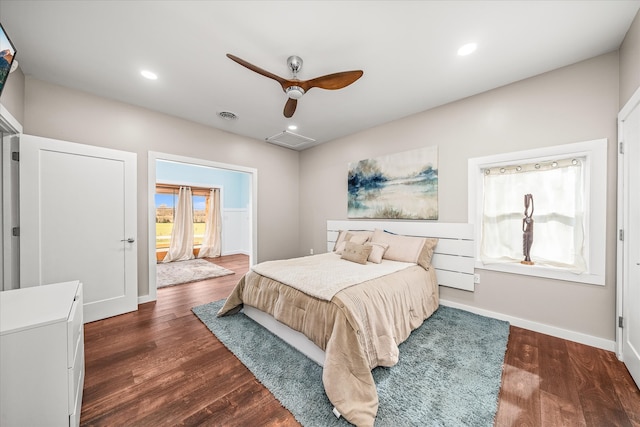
{"x":295,"y":92}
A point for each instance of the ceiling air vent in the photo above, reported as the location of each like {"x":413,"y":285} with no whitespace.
{"x":289,"y":139}
{"x":227,"y":115}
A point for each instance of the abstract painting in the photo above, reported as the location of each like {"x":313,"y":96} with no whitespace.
{"x":397,"y":186}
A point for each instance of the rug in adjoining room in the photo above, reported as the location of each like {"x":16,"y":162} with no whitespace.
{"x":178,"y":272}
{"x":448,"y":375}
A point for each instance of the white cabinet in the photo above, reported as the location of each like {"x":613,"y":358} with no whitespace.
{"x":41,"y":355}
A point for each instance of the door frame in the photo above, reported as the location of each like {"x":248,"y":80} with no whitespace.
{"x":622,"y":219}
{"x":151,"y":185}
{"x":10,"y":127}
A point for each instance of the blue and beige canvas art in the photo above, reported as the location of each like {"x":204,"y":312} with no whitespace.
{"x":397,"y":186}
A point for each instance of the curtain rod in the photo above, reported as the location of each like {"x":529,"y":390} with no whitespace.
{"x":177,"y":187}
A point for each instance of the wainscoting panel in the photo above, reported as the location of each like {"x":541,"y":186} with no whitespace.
{"x":235,"y":232}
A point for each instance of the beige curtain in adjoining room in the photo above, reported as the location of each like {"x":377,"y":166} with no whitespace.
{"x":211,"y":243}
{"x":181,"y":245}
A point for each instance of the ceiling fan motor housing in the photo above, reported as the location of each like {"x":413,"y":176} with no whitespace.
{"x":295,"y":92}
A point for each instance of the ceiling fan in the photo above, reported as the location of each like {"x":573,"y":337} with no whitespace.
{"x":295,"y":88}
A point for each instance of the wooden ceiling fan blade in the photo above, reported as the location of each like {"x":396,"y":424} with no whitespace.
{"x":283,"y":82}
{"x":332,"y":81}
{"x":290,"y":107}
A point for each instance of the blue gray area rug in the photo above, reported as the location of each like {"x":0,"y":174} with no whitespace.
{"x":448,"y":375}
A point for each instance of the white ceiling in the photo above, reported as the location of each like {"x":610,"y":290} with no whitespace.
{"x":407,"y":50}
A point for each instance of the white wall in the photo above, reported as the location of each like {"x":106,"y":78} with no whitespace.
{"x":630,"y":62}
{"x":235,"y":233}
{"x":572,"y":104}
{"x":12,"y":97}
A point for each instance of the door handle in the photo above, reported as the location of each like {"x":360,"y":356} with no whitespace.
{"x":129,"y":240}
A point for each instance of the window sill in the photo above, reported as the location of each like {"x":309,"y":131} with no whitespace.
{"x":543,"y":272}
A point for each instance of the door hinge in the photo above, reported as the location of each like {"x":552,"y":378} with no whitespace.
{"x":15,"y":231}
{"x":621,"y":149}
{"x":620,"y":322}
{"x":621,"y":235}
{"x":15,"y":155}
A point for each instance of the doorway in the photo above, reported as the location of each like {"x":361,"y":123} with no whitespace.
{"x":157,"y":163}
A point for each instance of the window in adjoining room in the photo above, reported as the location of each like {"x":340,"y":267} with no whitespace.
{"x":165,"y":199}
{"x":567,"y":188}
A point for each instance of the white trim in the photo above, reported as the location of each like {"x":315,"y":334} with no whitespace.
{"x":596,"y":154}
{"x":151,"y":185}
{"x":10,"y":130}
{"x":566,"y":334}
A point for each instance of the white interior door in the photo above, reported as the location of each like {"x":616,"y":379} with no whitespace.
{"x":629,"y":247}
{"x":78,"y":222}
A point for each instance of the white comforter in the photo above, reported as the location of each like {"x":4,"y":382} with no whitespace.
{"x":324,"y":275}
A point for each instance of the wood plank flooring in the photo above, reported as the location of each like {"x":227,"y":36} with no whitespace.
{"x":160,"y":366}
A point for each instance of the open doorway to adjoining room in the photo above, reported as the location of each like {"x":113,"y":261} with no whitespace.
{"x":238,"y":187}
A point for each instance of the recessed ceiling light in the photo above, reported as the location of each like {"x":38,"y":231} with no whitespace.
{"x":149,"y":75}
{"x":292,"y":127}
{"x":467,"y":49}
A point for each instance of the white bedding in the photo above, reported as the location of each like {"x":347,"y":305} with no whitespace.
{"x":324,"y":275}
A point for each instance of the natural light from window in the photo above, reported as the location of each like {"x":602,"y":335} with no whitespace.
{"x":165,"y":212}
{"x":566,"y":188}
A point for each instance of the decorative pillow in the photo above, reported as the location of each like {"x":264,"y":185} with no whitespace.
{"x":377,"y":251}
{"x":424,"y":259}
{"x":406,"y":248}
{"x":356,"y":253}
{"x":359,"y":237}
{"x":340,"y":239}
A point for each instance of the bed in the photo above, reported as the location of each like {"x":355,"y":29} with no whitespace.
{"x":348,"y":309}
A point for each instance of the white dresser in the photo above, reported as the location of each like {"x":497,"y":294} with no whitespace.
{"x":41,"y":355}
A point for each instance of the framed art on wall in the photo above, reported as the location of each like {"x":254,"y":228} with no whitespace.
{"x":396,"y":186}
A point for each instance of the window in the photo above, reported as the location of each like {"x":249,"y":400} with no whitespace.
{"x":568,"y":188}
{"x":165,"y":199}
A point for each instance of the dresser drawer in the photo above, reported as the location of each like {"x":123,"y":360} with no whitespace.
{"x":75,"y":329}
{"x":74,"y":414}
{"x":76,"y":378}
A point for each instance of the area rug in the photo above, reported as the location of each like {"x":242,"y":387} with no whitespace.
{"x":178,"y":272}
{"x":448,"y":375}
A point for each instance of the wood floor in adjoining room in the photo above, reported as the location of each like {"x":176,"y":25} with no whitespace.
{"x":160,"y":366}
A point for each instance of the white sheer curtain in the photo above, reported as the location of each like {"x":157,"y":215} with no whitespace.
{"x":181,"y":245}
{"x":211,"y":243}
{"x":559,"y":216}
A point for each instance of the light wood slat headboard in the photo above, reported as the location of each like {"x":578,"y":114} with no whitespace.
{"x":453,"y":256}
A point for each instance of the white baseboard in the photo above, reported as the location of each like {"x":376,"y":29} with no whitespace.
{"x":235,"y":252}
{"x":566,"y":334}
{"x":145,"y":298}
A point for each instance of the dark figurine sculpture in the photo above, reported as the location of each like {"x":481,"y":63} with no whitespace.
{"x":527,"y":229}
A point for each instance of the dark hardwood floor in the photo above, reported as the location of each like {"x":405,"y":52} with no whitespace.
{"x":160,"y":366}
